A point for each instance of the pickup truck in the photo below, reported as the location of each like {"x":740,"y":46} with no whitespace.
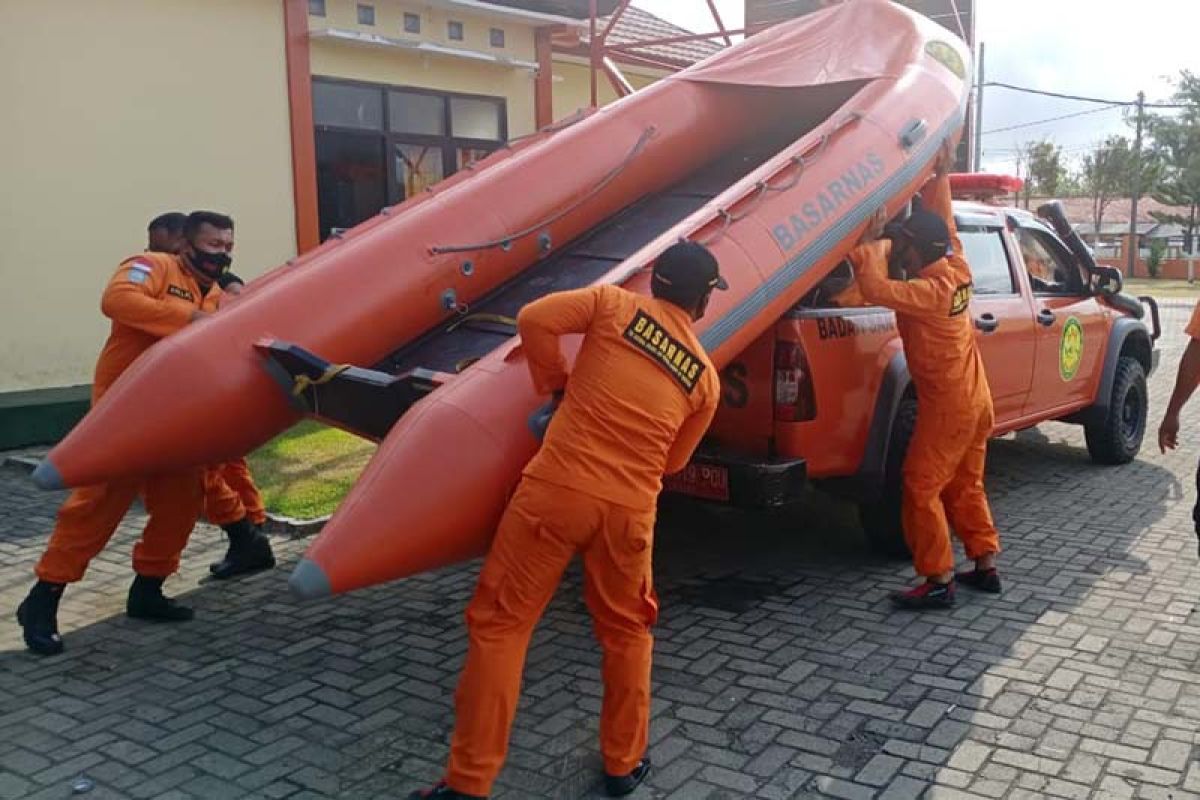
{"x":825,"y":397}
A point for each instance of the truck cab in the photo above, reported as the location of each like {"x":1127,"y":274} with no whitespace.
{"x":825,"y":395}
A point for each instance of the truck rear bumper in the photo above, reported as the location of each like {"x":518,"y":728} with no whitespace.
{"x":730,"y":478}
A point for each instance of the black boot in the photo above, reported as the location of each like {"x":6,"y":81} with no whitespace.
{"x":38,"y":617}
{"x":146,"y":601}
{"x":249,"y":551}
{"x":442,"y":792}
{"x":621,"y":785}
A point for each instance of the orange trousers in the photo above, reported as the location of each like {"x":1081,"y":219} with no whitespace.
{"x":230,"y":494}
{"x":90,"y":515}
{"x":543,"y":527}
{"x":943,"y":486}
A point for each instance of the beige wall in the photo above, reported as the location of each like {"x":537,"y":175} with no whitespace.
{"x":395,"y":67}
{"x":573,"y":87}
{"x":113,"y":112}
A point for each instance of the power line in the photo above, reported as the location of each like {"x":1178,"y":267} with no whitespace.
{"x":1081,"y":98}
{"x":1051,"y":119}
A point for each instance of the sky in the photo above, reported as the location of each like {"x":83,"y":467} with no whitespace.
{"x":1107,"y":49}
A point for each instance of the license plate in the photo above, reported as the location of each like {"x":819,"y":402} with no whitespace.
{"x":700,"y":480}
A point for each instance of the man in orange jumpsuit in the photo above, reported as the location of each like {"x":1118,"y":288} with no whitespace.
{"x":231,"y":500}
{"x":640,"y":396}
{"x":943,"y":470}
{"x":1187,"y":378}
{"x":150,"y":296}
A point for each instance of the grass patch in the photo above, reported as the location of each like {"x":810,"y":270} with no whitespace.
{"x":1161,"y":288}
{"x":305,"y":472}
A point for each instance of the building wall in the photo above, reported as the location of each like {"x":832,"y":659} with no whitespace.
{"x":340,"y":59}
{"x":113,"y":113}
{"x":573,"y":88}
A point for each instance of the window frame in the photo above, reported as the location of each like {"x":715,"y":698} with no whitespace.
{"x":497,"y":38}
{"x":450,"y":30}
{"x":366,"y":10}
{"x":1058,"y":251}
{"x":449,"y":144}
{"x":316,"y":8}
{"x":998,"y":231}
{"x":415,"y":19}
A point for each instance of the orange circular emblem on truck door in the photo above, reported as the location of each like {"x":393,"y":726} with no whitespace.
{"x":1070,"y":349}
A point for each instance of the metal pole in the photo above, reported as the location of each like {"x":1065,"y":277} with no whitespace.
{"x":1135,"y":188}
{"x":593,"y":49}
{"x":978,"y":159}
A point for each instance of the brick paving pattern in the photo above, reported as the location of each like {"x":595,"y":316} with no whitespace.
{"x":780,"y":669}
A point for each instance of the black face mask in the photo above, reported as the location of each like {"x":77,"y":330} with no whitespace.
{"x":211,"y":264}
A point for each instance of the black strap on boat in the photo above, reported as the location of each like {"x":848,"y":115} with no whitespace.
{"x":507,"y":241}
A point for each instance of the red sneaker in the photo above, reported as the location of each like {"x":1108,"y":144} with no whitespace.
{"x":928,"y":595}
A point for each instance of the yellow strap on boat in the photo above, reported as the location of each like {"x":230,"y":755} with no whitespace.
{"x":498,"y":319}
{"x":301,"y":383}
{"x":466,"y":362}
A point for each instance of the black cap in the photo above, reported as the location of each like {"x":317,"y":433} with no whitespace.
{"x":928,"y":233}
{"x":689,"y":268}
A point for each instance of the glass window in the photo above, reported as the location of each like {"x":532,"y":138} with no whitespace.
{"x":469,"y":155}
{"x":351,"y":179}
{"x":366,"y":14}
{"x":985,"y":254}
{"x":497,"y":37}
{"x":418,"y":166}
{"x":316,"y":8}
{"x":412,"y":23}
{"x":455,"y":31}
{"x":1050,"y":270}
{"x":412,"y":112}
{"x":475,"y":119}
{"x":347,"y":106}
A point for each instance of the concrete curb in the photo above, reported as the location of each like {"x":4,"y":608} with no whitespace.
{"x":276,"y":524}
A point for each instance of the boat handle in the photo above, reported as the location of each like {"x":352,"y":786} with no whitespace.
{"x":913,"y":132}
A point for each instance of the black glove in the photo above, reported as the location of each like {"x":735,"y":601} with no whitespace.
{"x":226,"y":278}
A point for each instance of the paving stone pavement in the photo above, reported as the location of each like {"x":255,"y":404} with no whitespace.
{"x":780,"y":669}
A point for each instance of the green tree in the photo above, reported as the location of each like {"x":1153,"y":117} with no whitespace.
{"x":1106,"y":176}
{"x":1046,"y":170}
{"x":1177,"y":146}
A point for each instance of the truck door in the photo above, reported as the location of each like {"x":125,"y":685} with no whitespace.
{"x":1071,"y":324}
{"x":1004,"y":326}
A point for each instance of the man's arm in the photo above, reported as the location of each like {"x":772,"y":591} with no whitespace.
{"x":691,"y":432}
{"x":915,"y":296}
{"x":936,"y":194}
{"x":1186,"y":381}
{"x":136,"y":297}
{"x":541,"y":323}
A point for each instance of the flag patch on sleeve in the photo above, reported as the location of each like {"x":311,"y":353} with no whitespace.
{"x":139,"y":272}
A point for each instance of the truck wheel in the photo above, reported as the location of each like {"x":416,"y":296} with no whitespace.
{"x":1118,"y":438}
{"x":881,"y":518}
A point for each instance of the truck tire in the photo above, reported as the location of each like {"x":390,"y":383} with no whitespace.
{"x":1118,"y":438}
{"x":880,"y":518}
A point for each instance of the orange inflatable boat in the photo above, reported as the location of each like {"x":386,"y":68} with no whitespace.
{"x":774,"y":152}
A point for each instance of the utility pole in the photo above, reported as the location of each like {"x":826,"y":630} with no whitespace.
{"x":977,"y":162}
{"x":1135,"y":188}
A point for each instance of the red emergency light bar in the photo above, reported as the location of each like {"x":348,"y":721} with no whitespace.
{"x":982,"y":185}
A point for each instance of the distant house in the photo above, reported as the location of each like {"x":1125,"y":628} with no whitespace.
{"x":1110,"y":243}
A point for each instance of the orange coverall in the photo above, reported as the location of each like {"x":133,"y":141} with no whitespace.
{"x":230,"y":494}
{"x":150,"y":296}
{"x":943,"y":471}
{"x":640,"y":396}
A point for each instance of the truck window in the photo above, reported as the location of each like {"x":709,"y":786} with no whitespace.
{"x":1050,"y":270}
{"x":984,"y":250}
